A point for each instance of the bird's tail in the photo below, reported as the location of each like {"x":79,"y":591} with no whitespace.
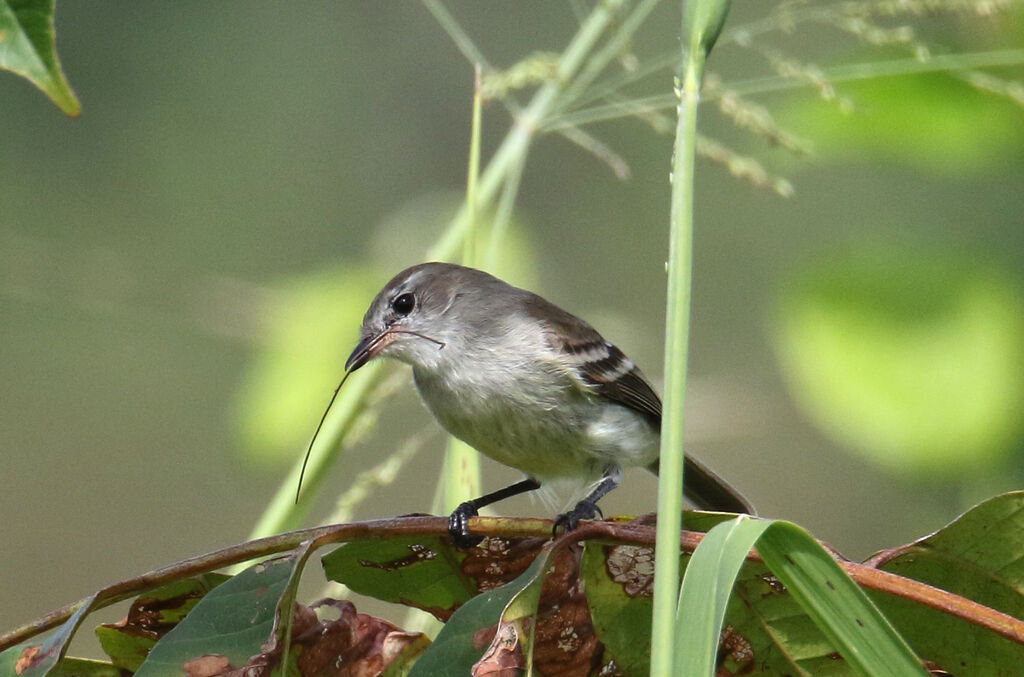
{"x":708,"y":491}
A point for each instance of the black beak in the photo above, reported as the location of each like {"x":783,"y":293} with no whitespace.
{"x":367,"y":349}
{"x":361,"y":354}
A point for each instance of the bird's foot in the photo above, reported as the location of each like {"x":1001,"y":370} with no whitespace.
{"x":458,"y":526}
{"x":568,"y":521}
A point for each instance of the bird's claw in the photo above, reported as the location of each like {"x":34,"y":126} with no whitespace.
{"x":458,"y":526}
{"x":568,"y":521}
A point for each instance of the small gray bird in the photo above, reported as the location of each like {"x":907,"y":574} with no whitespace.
{"x":525,"y":383}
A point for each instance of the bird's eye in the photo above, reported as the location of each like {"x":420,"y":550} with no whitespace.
{"x":404,"y":303}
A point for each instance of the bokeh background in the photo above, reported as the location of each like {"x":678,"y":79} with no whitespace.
{"x":183,"y":268}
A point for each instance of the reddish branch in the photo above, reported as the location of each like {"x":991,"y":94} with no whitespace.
{"x":631,"y":533}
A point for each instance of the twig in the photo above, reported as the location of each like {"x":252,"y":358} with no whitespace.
{"x":630,"y":533}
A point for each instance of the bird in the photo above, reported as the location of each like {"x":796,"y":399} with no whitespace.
{"x":527,"y":384}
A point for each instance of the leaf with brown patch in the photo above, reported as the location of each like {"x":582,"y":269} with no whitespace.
{"x":38,"y":659}
{"x":504,"y":657}
{"x":421,"y":572}
{"x":355,"y":645}
{"x":150,"y":617}
{"x":234,"y":620}
{"x":549,"y":619}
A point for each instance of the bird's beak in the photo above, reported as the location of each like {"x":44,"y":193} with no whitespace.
{"x":368,"y":348}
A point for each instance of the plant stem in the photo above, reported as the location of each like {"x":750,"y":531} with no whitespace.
{"x":507,"y":160}
{"x":677,"y":330}
{"x":509,"y":154}
{"x":631,"y":533}
{"x":460,"y":478}
{"x":283,"y":513}
{"x":777,"y":83}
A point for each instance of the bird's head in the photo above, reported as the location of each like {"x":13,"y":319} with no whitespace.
{"x":417,"y":314}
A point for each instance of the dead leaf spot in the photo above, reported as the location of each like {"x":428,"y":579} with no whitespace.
{"x":497,"y":561}
{"x":504,"y":657}
{"x":354,"y":645}
{"x":774,"y":585}
{"x":734,"y":646}
{"x":27,"y":658}
{"x":632,"y":567}
{"x":207,"y":666}
{"x":418,"y":554}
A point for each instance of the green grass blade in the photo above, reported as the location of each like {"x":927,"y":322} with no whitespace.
{"x":855,"y":626}
{"x":704,"y":595}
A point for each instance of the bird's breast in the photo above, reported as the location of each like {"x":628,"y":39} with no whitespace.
{"x":535,"y":420}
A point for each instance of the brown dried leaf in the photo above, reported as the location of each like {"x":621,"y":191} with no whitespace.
{"x":504,"y":657}
{"x":354,"y":645}
{"x":564,"y":643}
{"x":497,"y":561}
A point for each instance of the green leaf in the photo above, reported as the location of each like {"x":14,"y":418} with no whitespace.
{"x":766,"y":631}
{"x":898,"y":120}
{"x":703,"y":21}
{"x":28,"y":48}
{"x":36,"y":660}
{"x":81,"y":667}
{"x":913,"y":359}
{"x":308,"y":331}
{"x":284,"y":613}
{"x":151,"y":616}
{"x":835,"y":603}
{"x":618,"y":580}
{"x":231,"y":623}
{"x":454,"y":652}
{"x":512,"y":645}
{"x":423,"y":572}
{"x":706,"y":589}
{"x":979,"y":556}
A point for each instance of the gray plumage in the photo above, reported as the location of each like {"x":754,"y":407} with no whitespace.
{"x":523,"y":381}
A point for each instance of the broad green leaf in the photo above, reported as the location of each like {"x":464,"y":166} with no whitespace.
{"x":284,"y":613}
{"x":913,"y":359}
{"x":835,"y":603}
{"x":28,"y":48}
{"x":619,"y":580}
{"x":706,"y":589}
{"x":766,"y":631}
{"x":151,"y":616}
{"x":454,"y":651}
{"x":309,"y":328}
{"x":36,"y":660}
{"x":231,"y":623}
{"x":898,"y":120}
{"x":424,"y":572}
{"x":979,"y":556}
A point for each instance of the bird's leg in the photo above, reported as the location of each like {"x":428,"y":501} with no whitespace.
{"x":458,"y":521}
{"x":587,"y":508}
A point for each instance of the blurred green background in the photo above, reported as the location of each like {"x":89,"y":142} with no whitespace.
{"x":183,"y":268}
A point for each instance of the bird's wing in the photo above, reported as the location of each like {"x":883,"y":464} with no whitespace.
{"x":601,"y":367}
{"x":597,"y":363}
